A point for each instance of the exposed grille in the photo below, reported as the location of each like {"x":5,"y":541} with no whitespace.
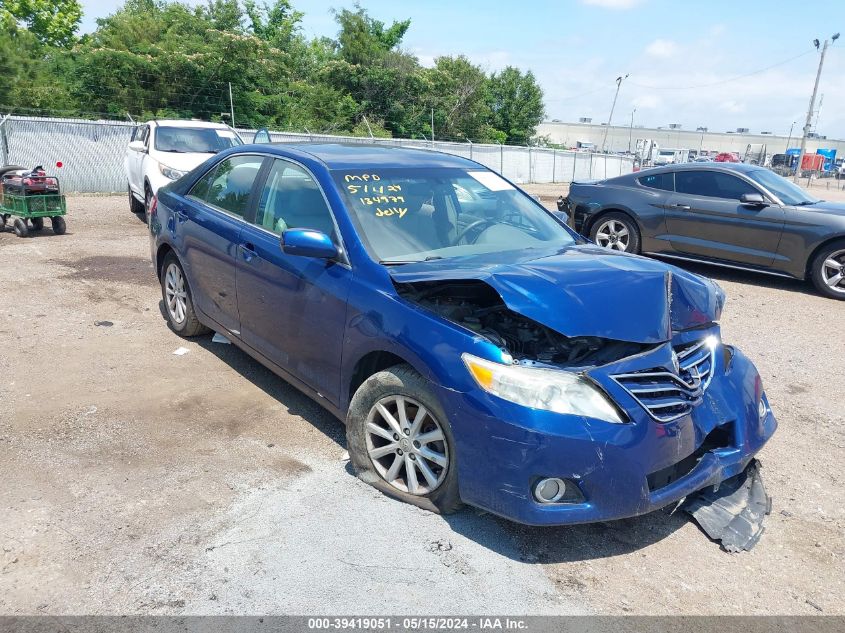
{"x":669,"y":395}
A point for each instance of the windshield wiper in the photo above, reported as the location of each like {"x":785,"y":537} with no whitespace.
{"x":398,"y":262}
{"x":804,"y":203}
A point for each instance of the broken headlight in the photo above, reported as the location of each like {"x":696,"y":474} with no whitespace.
{"x":548,"y":389}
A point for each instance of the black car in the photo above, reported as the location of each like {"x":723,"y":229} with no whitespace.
{"x":729,"y":214}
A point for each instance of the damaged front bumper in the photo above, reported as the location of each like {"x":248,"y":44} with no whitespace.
{"x":620,"y":470}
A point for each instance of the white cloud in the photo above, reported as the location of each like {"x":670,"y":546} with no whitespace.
{"x":612,"y":4}
{"x":662,"y":48}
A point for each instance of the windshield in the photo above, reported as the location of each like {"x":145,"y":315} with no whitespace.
{"x":410,"y":215}
{"x":788,"y":192}
{"x":197,"y":140}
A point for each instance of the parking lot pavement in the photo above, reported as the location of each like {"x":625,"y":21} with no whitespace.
{"x":139,"y":481}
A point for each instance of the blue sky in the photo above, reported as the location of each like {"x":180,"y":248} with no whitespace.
{"x":681,"y":55}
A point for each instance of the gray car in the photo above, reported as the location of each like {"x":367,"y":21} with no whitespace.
{"x":729,"y":214}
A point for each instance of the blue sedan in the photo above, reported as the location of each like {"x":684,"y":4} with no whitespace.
{"x":478,"y":350}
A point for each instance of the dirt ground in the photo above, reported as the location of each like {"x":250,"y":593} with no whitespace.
{"x":139,"y":481}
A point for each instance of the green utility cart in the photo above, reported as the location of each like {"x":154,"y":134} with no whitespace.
{"x":30,"y":196}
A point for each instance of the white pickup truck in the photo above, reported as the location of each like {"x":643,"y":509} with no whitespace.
{"x":162,"y":151}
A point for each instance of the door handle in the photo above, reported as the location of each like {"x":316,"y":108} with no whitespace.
{"x":248,"y":251}
{"x":181,"y":216}
{"x":683,"y":207}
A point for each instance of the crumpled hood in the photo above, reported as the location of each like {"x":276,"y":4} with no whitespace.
{"x":586,"y":290}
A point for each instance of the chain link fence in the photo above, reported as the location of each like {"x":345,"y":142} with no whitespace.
{"x":92,"y":152}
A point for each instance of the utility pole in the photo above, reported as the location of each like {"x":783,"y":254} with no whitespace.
{"x":789,"y":138}
{"x":818,"y":113}
{"x":812,"y":106}
{"x":231,"y":106}
{"x":631,"y":130}
{"x":612,"y":108}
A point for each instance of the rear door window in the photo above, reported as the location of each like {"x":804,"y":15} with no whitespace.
{"x":228,"y":186}
{"x":664,"y":182}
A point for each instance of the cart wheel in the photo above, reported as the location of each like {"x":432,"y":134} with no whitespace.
{"x":59,"y":226}
{"x":21,"y":229}
{"x":37,"y":223}
{"x":2,"y":222}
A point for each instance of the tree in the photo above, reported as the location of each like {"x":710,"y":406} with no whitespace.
{"x":362,"y":39}
{"x":52,"y":22}
{"x":458,"y":92}
{"x":516,"y":101}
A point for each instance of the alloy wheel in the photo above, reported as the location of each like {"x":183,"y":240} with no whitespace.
{"x":833,"y":271}
{"x":614,"y":235}
{"x":176,"y":293}
{"x":407,"y":445}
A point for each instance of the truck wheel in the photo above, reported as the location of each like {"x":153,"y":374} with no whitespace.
{"x":400,"y":440}
{"x":59,"y":226}
{"x":135,"y":205}
{"x":21,"y":229}
{"x":37,"y":224}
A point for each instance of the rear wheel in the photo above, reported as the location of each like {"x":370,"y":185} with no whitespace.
{"x":135,"y":205}
{"x":59,"y":225}
{"x":400,"y":440}
{"x":2,"y":222}
{"x":21,"y":230}
{"x":617,"y":232}
{"x":37,"y":224}
{"x":178,"y":303}
{"x":828,"y":270}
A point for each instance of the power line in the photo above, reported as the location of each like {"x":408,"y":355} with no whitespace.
{"x":723,"y":81}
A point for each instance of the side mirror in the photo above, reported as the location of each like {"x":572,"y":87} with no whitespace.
{"x":137,"y":146}
{"x":308,"y":243}
{"x":753,"y":200}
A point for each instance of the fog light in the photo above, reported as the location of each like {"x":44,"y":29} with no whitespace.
{"x":763,"y":407}
{"x":549,"y":490}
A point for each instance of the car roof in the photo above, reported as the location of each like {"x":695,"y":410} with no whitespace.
{"x":712,"y":166}
{"x":188,"y":123}
{"x":342,"y":156}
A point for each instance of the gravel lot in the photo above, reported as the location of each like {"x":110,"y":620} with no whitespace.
{"x":138,"y":481}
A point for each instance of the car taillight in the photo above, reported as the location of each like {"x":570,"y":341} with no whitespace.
{"x":154,"y":207}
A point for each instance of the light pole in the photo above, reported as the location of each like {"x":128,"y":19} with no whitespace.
{"x":812,"y":105}
{"x":612,"y":107}
{"x":789,"y":138}
{"x":631,"y":129}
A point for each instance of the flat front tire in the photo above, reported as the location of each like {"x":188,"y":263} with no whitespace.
{"x":400,"y":440}
{"x":828,"y":270}
{"x":178,"y":304}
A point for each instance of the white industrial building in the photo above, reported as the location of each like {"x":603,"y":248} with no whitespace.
{"x":623,"y":138}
